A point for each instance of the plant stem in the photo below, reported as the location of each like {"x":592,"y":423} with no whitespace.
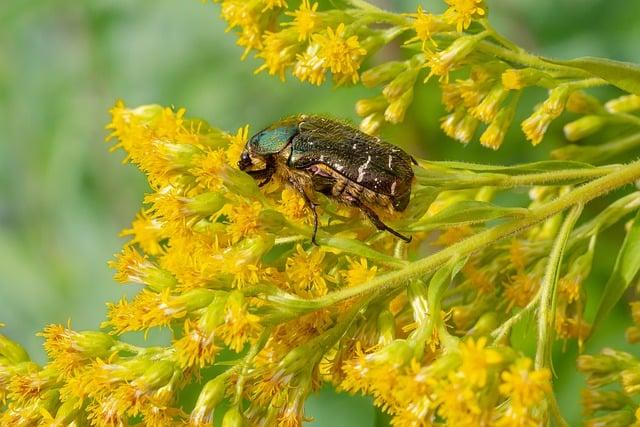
{"x":459,"y":181}
{"x":581,"y":195}
{"x":546,"y":308}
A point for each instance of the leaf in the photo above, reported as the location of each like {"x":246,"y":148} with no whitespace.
{"x":467,"y":212}
{"x":356,"y":247}
{"x":624,"y":75}
{"x":625,"y":269}
{"x":421,"y":201}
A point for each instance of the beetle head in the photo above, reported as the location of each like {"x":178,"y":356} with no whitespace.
{"x":268,"y":141}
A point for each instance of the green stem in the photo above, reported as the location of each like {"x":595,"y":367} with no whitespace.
{"x":546,"y":308}
{"x":524,"y":58}
{"x":473,"y":180}
{"x":581,"y":195}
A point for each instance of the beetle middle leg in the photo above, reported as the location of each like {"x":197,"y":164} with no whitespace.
{"x":375,"y":219}
{"x":310,"y":204}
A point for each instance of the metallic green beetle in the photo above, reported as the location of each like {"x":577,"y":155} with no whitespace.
{"x":313,"y":153}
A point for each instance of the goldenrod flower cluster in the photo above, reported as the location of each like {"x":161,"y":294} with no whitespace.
{"x":423,"y":327}
{"x":481,"y":73}
{"x":225,"y":265}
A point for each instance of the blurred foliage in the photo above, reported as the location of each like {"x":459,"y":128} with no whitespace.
{"x":63,"y":198}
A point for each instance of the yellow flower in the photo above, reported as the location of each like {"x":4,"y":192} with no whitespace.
{"x":237,"y":143}
{"x":71,"y":351}
{"x":569,"y":287}
{"x":208,"y":169}
{"x":244,"y":219}
{"x":275,"y":4}
{"x":239,"y":324}
{"x":278,"y":53}
{"x":425,"y":25}
{"x":462,"y":12}
{"x":196,"y":347}
{"x":293,"y":206}
{"x":358,"y":272}
{"x":520,"y":290}
{"x":146,"y":232}
{"x":340,"y":54}
{"x":476,"y":360}
{"x":305,"y":19}
{"x":525,"y":387}
{"x":309,"y":67}
{"x":457,"y":402}
{"x":305,"y":272}
{"x":536,"y":126}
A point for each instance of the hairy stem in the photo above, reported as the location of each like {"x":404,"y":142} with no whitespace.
{"x":581,"y":195}
{"x":546,"y":308}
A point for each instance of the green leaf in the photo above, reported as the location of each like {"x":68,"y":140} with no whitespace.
{"x":625,"y":269}
{"x":467,"y":212}
{"x":421,"y":201}
{"x":624,"y":75}
{"x":356,"y":247}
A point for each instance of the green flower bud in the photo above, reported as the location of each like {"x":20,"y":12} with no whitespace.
{"x":210,"y":396}
{"x":365,"y":107}
{"x":12,"y":351}
{"x":583,"y":127}
{"x":382,"y":73}
{"x":233,"y":418}
{"x":623,"y":104}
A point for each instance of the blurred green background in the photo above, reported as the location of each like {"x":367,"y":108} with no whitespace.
{"x":64,"y":198}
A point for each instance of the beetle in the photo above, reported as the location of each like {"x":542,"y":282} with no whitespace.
{"x":318,"y":154}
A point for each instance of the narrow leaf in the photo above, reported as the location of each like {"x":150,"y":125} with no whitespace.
{"x":358,"y":248}
{"x":624,"y":75}
{"x":468,"y":212}
{"x":625,"y":269}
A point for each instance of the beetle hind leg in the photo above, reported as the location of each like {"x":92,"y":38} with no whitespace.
{"x":375,"y":219}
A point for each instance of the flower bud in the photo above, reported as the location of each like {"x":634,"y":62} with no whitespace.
{"x":583,"y":127}
{"x":233,"y":418}
{"x":401,"y":84}
{"x":581,"y":103}
{"x":459,"y":125}
{"x":12,"y":351}
{"x":516,"y":79}
{"x":386,"y":327}
{"x":367,"y":106}
{"x":371,"y":124}
{"x":210,"y":396}
{"x":396,"y":110}
{"x":487,"y":110}
{"x":623,"y":104}
{"x":623,"y":418}
{"x":382,"y":73}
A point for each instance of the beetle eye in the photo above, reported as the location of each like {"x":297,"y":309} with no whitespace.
{"x":245,"y":161}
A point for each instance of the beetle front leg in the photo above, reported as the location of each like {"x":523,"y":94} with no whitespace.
{"x":310,"y":204}
{"x":375,"y":219}
{"x":265,"y":174}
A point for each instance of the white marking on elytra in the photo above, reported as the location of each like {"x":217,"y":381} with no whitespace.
{"x":339,"y":166}
{"x":354,"y":146}
{"x":362,"y":168}
{"x":390,"y":158}
{"x":393,"y":188}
